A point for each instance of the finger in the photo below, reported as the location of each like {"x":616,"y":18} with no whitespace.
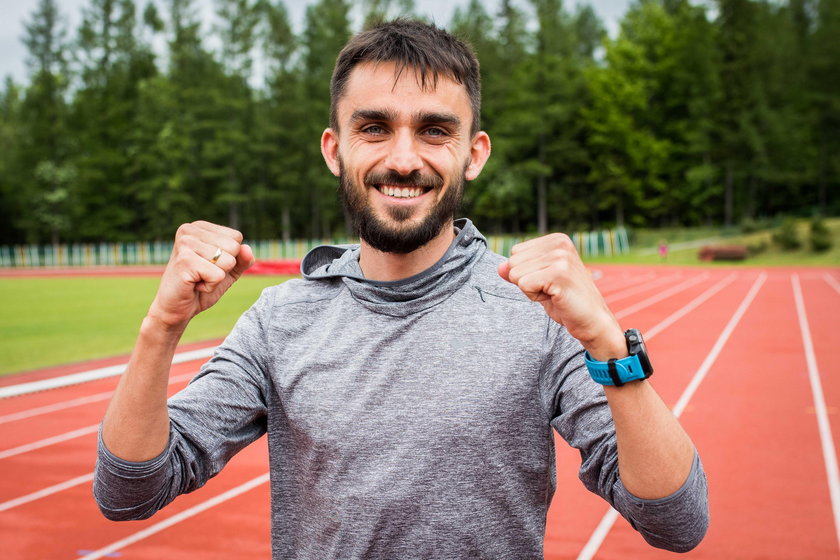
{"x":540,"y":284}
{"x":201,"y":272}
{"x":525,"y":264}
{"x":213,"y":235}
{"x":244,"y":260}
{"x":216,"y":229}
{"x":504,"y":270}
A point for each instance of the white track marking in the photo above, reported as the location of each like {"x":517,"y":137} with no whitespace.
{"x":74,"y":402}
{"x":829,"y":452}
{"x":694,"y":304}
{"x":177,"y":518}
{"x":92,"y":375}
{"x":19,"y":450}
{"x":636,"y":279}
{"x":44,"y":492}
{"x":603,"y":528}
{"x":641,"y":288}
{"x":660,"y":296}
{"x":832,"y":282}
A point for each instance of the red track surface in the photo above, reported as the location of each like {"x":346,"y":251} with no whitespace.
{"x":753,"y":416}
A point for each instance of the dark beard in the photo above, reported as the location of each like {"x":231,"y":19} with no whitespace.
{"x":404,"y":238}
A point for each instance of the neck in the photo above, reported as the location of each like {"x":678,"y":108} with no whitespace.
{"x":386,"y":267}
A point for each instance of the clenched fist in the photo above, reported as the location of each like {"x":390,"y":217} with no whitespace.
{"x":206,"y":260}
{"x":549,"y":270}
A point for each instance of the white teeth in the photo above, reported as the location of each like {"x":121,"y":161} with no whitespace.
{"x":405,"y":192}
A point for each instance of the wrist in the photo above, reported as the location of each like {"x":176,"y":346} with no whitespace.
{"x":614,"y":367}
{"x":609,"y":345}
{"x":154,"y":325}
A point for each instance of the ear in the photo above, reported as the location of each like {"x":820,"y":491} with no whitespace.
{"x":479,"y":152}
{"x":329,"y":149}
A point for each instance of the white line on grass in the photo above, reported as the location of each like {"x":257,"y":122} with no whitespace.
{"x":829,"y":453}
{"x":177,"y":518}
{"x":73,"y":402}
{"x":44,"y":492}
{"x":832,"y":282}
{"x":603,"y":528}
{"x":661,"y":295}
{"x":92,"y":375}
{"x":48,"y":441}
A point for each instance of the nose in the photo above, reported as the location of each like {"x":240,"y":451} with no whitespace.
{"x":403,"y":157}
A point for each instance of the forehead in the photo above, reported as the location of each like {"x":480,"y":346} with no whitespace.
{"x":378,"y":86}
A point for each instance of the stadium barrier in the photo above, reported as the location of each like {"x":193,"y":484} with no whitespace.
{"x":589,"y":244}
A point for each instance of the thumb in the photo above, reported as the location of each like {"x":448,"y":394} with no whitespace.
{"x":244,"y":260}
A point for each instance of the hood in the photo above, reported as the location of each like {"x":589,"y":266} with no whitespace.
{"x":406,"y":296}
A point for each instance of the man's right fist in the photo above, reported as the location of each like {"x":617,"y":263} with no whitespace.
{"x":206,"y":260}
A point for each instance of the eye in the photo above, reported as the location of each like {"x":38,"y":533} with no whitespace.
{"x":373,"y":129}
{"x":436,"y":132}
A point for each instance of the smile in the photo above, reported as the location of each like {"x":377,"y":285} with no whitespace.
{"x":401,"y":192}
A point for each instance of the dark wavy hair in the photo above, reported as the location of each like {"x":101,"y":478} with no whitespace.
{"x":418,"y":46}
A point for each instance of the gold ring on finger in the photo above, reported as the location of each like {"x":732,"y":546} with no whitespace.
{"x":215,"y":258}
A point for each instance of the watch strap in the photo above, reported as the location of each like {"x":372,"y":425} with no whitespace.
{"x":615,"y":372}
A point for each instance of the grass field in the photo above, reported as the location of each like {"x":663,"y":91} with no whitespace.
{"x":56,"y":320}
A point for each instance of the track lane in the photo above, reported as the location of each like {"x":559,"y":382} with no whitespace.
{"x":67,"y":522}
{"x":575,"y":513}
{"x":749,"y":418}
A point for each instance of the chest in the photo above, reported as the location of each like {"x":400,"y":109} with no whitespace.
{"x":438,"y":378}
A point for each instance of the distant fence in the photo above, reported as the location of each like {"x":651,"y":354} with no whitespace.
{"x":589,"y":244}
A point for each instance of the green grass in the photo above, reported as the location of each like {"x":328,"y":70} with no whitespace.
{"x":645,"y":243}
{"x":50,"y":321}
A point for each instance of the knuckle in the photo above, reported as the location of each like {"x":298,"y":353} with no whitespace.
{"x":183,"y":229}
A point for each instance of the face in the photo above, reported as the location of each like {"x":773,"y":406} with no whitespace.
{"x":402,"y":155}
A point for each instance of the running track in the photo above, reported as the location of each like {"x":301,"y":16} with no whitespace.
{"x":749,"y":360}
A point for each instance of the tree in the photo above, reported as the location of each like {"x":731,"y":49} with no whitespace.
{"x":45,"y":140}
{"x":326,"y":30}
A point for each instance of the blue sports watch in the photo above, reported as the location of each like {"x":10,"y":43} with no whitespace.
{"x":617,"y":372}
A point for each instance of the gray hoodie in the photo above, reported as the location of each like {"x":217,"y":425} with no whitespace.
{"x":407,"y":419}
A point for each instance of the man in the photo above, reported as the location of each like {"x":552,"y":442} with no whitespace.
{"x":409,"y":386}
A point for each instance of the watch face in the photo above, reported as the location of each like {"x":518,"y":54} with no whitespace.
{"x":636,"y":346}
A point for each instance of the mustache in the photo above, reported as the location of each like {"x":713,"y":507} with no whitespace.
{"x":413,"y":179}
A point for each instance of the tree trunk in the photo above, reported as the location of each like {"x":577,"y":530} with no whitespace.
{"x":542,"y":205}
{"x":286,"y":224}
{"x":727,"y":197}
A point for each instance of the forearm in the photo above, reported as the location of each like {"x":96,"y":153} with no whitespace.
{"x":654,"y":452}
{"x":136,"y":424}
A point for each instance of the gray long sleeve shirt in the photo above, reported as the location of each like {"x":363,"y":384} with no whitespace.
{"x":408,"y":419}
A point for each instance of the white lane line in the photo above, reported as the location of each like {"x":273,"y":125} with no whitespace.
{"x":661,"y":295}
{"x":694,"y":304}
{"x":92,"y":375}
{"x":177,"y":518}
{"x":48,"y":441}
{"x":603,"y":528}
{"x":832,"y":282}
{"x":641,"y":288}
{"x":44,"y":492}
{"x":620,"y":283}
{"x":74,"y":402}
{"x":829,"y":452}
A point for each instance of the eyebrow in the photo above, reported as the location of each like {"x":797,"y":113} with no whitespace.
{"x":386,"y":115}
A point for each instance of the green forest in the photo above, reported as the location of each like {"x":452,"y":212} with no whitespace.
{"x":145,"y":117}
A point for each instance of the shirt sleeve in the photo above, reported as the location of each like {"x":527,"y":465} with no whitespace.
{"x":222,"y":410}
{"x":578,"y":410}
